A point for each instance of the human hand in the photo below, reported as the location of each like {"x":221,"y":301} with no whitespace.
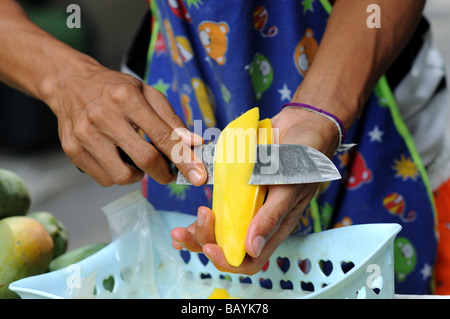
{"x":284,"y":205}
{"x":100,"y":110}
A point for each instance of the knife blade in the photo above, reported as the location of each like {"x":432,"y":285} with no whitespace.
{"x":276,"y":164}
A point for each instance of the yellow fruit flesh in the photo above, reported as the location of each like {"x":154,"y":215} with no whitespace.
{"x":220,"y":293}
{"x":235,"y":201}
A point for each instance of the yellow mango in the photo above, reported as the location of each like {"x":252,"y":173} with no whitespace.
{"x":26,"y":249}
{"x":235,"y":202}
{"x":220,"y":293}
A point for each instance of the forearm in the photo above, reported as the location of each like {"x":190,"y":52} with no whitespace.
{"x":352,"y":56}
{"x":31,"y":60}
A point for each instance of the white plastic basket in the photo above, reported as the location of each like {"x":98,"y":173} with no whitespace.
{"x":349,"y":262}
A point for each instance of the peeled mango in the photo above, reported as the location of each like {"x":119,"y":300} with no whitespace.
{"x":220,"y":293}
{"x":15,"y":198}
{"x":235,"y":202}
{"x":56,"y":230}
{"x":26,"y":249}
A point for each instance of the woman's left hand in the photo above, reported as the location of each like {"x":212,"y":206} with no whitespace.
{"x":284,"y":206}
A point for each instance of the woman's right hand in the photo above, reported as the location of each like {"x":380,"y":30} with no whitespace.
{"x":100,"y":110}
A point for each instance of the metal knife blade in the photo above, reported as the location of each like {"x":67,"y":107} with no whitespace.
{"x":276,"y":164}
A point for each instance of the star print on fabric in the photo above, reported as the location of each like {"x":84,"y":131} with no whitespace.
{"x":285,"y":93}
{"x":307,"y":6}
{"x":195,"y":3}
{"x":161,"y":86}
{"x":375,"y":135}
{"x":178,"y":191}
{"x":326,"y":214}
{"x":405,"y":168}
{"x":343,"y":157}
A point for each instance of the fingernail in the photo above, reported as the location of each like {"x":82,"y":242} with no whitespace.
{"x":200,"y":219}
{"x":195,"y":176}
{"x":258,"y":244}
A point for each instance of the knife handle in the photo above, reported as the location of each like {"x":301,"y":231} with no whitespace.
{"x":124,"y":156}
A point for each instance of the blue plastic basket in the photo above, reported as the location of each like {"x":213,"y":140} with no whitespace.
{"x":349,"y":262}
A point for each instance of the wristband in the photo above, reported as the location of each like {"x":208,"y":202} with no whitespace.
{"x":342,"y":132}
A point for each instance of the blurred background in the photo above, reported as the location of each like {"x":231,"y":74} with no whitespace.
{"x":29,"y":142}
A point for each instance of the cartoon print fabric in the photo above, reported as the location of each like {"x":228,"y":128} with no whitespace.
{"x":216,"y":59}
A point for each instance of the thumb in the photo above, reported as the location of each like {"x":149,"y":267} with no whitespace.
{"x":268,"y":218}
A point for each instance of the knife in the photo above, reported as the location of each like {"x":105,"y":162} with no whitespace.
{"x":276,"y":164}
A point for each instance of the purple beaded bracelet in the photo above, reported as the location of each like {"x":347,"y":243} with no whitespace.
{"x":330,"y":116}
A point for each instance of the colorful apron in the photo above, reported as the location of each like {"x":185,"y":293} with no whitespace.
{"x":216,"y":59}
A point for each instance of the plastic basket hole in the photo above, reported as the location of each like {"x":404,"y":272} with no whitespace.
{"x":326,"y":267}
{"x":376,"y":284}
{"x":346,"y":266}
{"x":283,"y":263}
{"x":265,"y":283}
{"x":204,"y":276}
{"x":304,"y":265}
{"x":108,"y":283}
{"x":225,"y":277}
{"x":307,"y":286}
{"x":189,"y":275}
{"x":245,"y":280}
{"x":203,"y":259}
{"x":361,"y":293}
{"x":286,"y":284}
{"x":126,"y":274}
{"x":185,"y":255}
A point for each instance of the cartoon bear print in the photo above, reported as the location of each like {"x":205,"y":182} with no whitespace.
{"x":213,"y":36}
{"x":305,"y":52}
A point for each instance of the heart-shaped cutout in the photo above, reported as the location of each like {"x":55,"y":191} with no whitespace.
{"x":283,"y":263}
{"x":346,"y":266}
{"x":185,"y":255}
{"x":286,"y":284}
{"x":245,"y":280}
{"x":304,"y":265}
{"x":326,"y":266}
{"x":265,"y":283}
{"x":204,"y":260}
{"x":205,"y":276}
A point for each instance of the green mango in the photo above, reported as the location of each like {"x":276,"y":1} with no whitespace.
{"x":15,"y":198}
{"x":74,"y":256}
